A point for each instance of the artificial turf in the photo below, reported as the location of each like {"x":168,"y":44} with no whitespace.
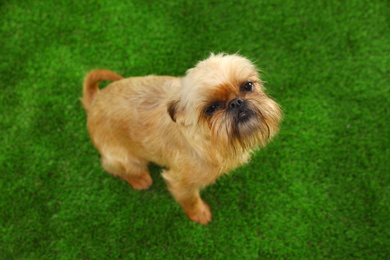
{"x":319,"y":190}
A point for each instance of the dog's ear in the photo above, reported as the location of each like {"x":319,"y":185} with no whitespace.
{"x":177,"y":113}
{"x":173,"y":110}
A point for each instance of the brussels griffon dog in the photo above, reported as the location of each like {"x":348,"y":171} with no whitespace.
{"x":199,"y":126}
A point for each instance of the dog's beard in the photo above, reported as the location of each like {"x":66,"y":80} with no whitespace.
{"x":246,"y":128}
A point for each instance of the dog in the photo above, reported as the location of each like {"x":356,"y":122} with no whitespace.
{"x":199,"y":126}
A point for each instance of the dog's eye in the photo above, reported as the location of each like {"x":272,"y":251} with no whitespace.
{"x":248,"y":87}
{"x":210,"y":110}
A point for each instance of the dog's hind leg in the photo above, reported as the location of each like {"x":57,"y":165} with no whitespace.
{"x":132,"y":169}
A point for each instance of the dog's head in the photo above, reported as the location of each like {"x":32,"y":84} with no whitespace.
{"x":222,"y":100}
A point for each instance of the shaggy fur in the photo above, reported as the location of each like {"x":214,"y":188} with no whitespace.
{"x":199,"y":126}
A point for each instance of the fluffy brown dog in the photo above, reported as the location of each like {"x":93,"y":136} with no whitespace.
{"x":199,"y":126}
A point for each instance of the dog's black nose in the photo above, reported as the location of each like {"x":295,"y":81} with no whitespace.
{"x":236,"y":103}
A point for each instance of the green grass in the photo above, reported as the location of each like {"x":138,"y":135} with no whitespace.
{"x":319,"y":190}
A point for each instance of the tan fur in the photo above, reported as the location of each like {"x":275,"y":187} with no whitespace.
{"x":91,"y":82}
{"x":162,"y":119}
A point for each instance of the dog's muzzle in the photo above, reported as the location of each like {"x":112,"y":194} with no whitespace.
{"x":239,"y":110}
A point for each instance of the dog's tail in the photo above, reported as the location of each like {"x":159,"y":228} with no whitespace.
{"x":91,"y":87}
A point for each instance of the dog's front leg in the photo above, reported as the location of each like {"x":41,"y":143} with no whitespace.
{"x":187,"y":195}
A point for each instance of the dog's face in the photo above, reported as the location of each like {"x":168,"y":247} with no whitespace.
{"x":222,"y":100}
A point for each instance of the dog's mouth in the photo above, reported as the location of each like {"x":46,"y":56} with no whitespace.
{"x":243,"y":116}
{"x":240,"y":111}
{"x":245,"y":122}
{"x":248,"y":124}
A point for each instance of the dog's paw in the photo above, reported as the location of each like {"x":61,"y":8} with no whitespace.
{"x":141,"y":182}
{"x":201,"y":214}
